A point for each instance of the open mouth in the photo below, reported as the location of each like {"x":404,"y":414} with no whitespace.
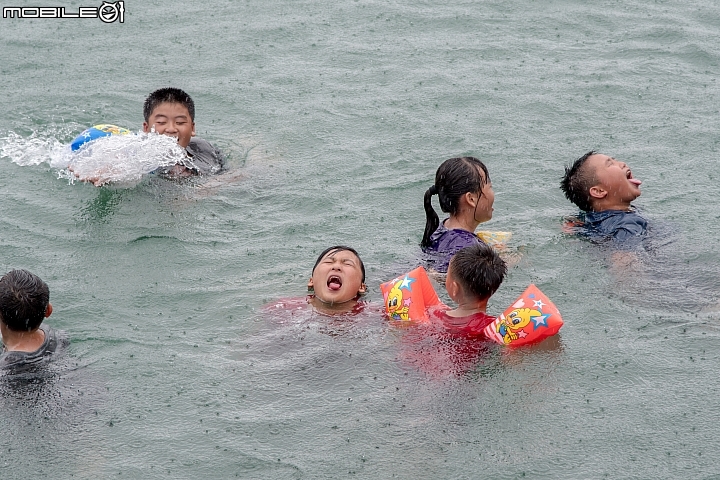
{"x":334,"y":282}
{"x":631,"y":179}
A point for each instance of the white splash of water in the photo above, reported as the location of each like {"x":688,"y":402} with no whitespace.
{"x":120,"y":159}
{"x":33,"y":150}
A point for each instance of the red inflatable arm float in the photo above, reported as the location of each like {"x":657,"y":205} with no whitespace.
{"x":532,"y":318}
{"x":408,"y":296}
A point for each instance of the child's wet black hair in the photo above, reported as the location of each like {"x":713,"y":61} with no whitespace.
{"x":454,"y":178}
{"x":577,"y":182}
{"x":340,"y":248}
{"x":169,"y":95}
{"x":24,"y":298}
{"x":479,"y":270}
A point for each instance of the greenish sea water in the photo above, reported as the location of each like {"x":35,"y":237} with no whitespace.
{"x":335,"y":116}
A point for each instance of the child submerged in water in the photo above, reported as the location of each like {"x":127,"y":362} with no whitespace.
{"x":604,"y":188}
{"x":24,"y":304}
{"x":171,"y":112}
{"x":453,"y":340}
{"x":473,"y":276}
{"x":336,"y":285}
{"x":465,"y":192}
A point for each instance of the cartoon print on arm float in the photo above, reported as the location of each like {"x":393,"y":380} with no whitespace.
{"x":522,"y":321}
{"x":397,"y":307}
{"x":511,"y":327}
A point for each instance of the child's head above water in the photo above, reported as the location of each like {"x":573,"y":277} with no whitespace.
{"x":170,"y":111}
{"x":597,"y":182}
{"x":474,"y":274}
{"x":24,"y":301}
{"x":338,"y":276}
{"x":464,"y":190}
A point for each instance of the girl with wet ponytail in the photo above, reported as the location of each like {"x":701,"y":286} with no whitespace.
{"x":464,"y":191}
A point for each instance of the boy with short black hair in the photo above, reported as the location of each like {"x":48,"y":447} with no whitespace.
{"x":24,"y":304}
{"x":171,"y":111}
{"x":474,"y":275}
{"x":604,"y":188}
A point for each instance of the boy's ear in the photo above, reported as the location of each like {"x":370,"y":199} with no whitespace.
{"x":363,"y":289}
{"x":48,"y":310}
{"x":146,"y":128}
{"x":193,"y":132}
{"x":598,"y":192}
{"x":453,"y":288}
{"x":311,"y":286}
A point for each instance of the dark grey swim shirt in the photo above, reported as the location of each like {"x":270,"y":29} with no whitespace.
{"x":626,"y":229}
{"x":204,"y":157}
{"x":52,"y":345}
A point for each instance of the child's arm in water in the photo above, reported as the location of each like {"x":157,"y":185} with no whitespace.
{"x":623,"y":263}
{"x":98,"y":178}
{"x":499,"y":240}
{"x":210,"y":186}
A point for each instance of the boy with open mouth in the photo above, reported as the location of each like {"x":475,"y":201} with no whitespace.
{"x":604,"y":187}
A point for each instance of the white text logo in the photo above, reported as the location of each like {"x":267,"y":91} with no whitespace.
{"x":108,"y":12}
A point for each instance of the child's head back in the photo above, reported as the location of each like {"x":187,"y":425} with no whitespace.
{"x":597,"y":182}
{"x":340,"y":248}
{"x":338,"y":275}
{"x":24,"y":300}
{"x":454,"y":178}
{"x":478,"y":270}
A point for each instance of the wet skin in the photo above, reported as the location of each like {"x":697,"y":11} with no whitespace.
{"x":172,"y":119}
{"x":337,"y":278}
{"x":616,"y":187}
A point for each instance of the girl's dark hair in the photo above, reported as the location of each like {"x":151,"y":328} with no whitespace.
{"x":454,"y":178}
{"x":340,"y":248}
{"x":24,"y":297}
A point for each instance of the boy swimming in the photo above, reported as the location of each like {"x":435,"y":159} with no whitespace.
{"x":24,"y":304}
{"x":464,"y":190}
{"x":604,"y":188}
{"x":473,"y":276}
{"x":171,"y":112}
